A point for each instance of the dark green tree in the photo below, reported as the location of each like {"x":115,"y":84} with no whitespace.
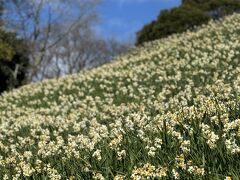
{"x":215,"y":8}
{"x":13,"y":59}
{"x":172,"y":21}
{"x":189,"y":14}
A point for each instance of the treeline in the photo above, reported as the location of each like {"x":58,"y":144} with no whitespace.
{"x":48,"y":39}
{"x":189,"y":14}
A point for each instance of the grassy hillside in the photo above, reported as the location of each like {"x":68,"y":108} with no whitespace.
{"x":168,"y":110}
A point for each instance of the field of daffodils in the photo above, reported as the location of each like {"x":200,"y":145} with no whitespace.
{"x":167,"y":110}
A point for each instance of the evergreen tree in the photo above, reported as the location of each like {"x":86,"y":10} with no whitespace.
{"x":189,"y":14}
{"x":13,"y":59}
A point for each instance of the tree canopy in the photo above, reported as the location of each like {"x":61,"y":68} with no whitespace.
{"x":13,"y":58}
{"x":13,"y":61}
{"x":189,"y":14}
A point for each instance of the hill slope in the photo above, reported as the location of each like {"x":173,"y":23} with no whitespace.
{"x":166,"y":110}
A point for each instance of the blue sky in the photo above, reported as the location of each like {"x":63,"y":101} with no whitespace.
{"x":121,"y":19}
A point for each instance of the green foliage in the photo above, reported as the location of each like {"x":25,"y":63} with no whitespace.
{"x":190,"y":14}
{"x":215,"y":8}
{"x":13,"y":58}
{"x":6,"y":50}
{"x":13,"y":61}
{"x":172,"y":21}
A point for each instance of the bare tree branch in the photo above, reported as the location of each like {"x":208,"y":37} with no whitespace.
{"x":60,"y":35}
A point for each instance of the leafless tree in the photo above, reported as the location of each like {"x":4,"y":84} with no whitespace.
{"x":81,"y":49}
{"x":47,"y":23}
